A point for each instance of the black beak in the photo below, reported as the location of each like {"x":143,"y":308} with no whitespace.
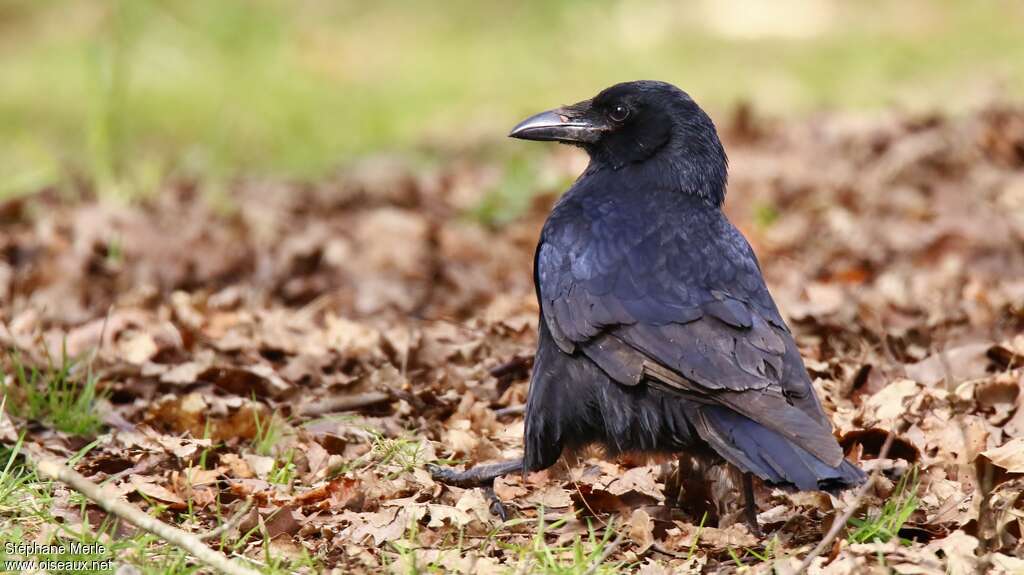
{"x":567,"y":124}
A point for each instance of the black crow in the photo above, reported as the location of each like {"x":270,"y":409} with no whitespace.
{"x":657,"y":332}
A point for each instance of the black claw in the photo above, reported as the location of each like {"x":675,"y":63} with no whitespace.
{"x":497,"y":507}
{"x":471,"y":478}
{"x":442,"y":474}
{"x":750,"y":505}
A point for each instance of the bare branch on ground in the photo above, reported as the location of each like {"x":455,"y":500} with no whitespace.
{"x":124,"y":510}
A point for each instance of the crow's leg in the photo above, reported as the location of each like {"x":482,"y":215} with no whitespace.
{"x":750,"y":504}
{"x":670,"y":473}
{"x":694,"y":495}
{"x":479,"y":476}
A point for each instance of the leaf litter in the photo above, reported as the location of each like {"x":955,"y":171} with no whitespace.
{"x":315,"y":345}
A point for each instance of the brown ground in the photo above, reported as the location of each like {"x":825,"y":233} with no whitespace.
{"x":894,"y":246}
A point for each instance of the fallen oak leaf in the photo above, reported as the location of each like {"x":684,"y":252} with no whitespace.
{"x":595,"y":501}
{"x":641,"y":480}
{"x":137,"y":347}
{"x":340,"y":492}
{"x":473,"y":501}
{"x":1009,"y":456}
{"x":146,"y":487}
{"x":181,"y":447}
{"x":387,"y":524}
{"x":958,"y":364}
{"x":255,"y":488}
{"x":551,"y":497}
{"x":871,"y":441}
{"x":318,"y":458}
{"x":196,"y":476}
{"x":201,"y":497}
{"x":439,"y":514}
{"x":641,"y":530}
{"x":1006,"y":563}
{"x":261,"y":465}
{"x":888,"y":403}
{"x":260,"y":380}
{"x":509,"y":488}
{"x":284,"y":520}
{"x":237,"y":466}
{"x":183,"y":373}
{"x":960,"y":550}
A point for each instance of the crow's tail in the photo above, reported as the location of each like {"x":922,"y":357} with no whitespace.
{"x":776,"y":460}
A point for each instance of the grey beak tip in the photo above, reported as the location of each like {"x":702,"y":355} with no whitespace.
{"x":553,"y":125}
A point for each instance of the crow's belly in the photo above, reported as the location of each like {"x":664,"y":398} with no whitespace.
{"x":572,"y":403}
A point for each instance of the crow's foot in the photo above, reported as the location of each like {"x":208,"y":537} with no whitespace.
{"x":750,"y":505}
{"x":479,"y":476}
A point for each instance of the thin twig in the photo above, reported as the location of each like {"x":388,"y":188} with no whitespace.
{"x":128,"y":512}
{"x":576,"y":485}
{"x":604,"y":555}
{"x":510,"y":411}
{"x":524,"y":568}
{"x":99,"y":344}
{"x":138,"y":469}
{"x":659,"y":548}
{"x":230,"y":523}
{"x":842,"y":520}
{"x":344,"y":403}
{"x":515,"y":368}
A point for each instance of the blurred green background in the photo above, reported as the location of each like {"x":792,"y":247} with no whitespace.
{"x":125,"y":93}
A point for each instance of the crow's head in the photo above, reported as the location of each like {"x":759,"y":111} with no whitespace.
{"x":645,"y":124}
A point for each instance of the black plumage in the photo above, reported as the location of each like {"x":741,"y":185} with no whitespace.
{"x":657,"y":331}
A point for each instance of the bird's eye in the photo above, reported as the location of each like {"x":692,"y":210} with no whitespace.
{"x":619,"y":113}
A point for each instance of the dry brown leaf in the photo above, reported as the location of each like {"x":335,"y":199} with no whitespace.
{"x":954,"y":365}
{"x":388,"y":524}
{"x":1009,"y":456}
{"x":637,"y":479}
{"x":237,"y":466}
{"x":509,"y":488}
{"x":146,"y":486}
{"x":183,"y":373}
{"x":641,"y":530}
{"x":182,"y":448}
{"x":960,"y":550}
{"x":473,"y":502}
{"x":196,"y":476}
{"x":261,"y":465}
{"x":282,"y":521}
{"x":441,"y":514}
{"x":890,"y":402}
{"x":1006,"y":564}
{"x":550,"y":497}
{"x":137,"y":347}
